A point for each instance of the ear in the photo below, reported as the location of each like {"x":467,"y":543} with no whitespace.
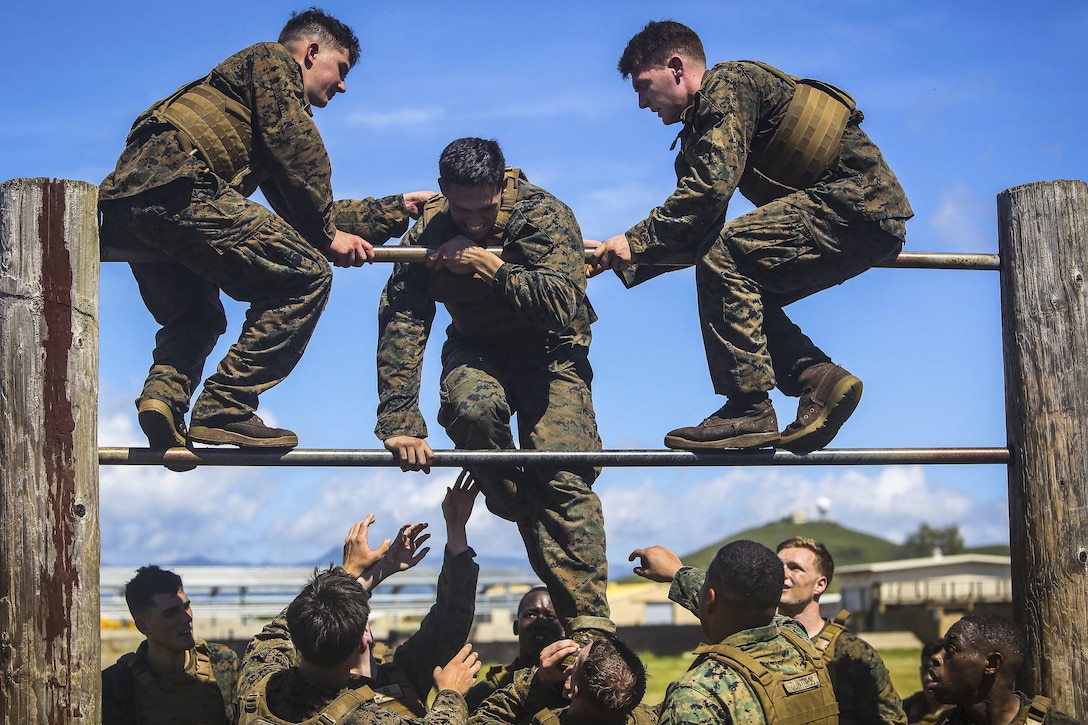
{"x":442,"y":190}
{"x":516,"y":627}
{"x":141,"y":624}
{"x":994,"y":660}
{"x":821,"y":586}
{"x":313,"y":48}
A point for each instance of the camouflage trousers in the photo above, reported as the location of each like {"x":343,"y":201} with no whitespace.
{"x":556,"y":511}
{"x":216,"y":239}
{"x":762,"y":261}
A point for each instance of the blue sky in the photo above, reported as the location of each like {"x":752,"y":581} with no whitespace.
{"x":965,"y":99}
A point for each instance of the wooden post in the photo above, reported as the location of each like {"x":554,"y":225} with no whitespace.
{"x":1043,"y":242}
{"x":49,"y":539}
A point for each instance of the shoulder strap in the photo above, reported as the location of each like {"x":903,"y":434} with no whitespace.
{"x":202,"y":653}
{"x":824,"y":642}
{"x":1038,"y":709}
{"x":253,"y":708}
{"x":141,"y":673}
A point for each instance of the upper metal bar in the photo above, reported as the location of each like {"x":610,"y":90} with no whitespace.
{"x":614,"y":458}
{"x":905,"y":260}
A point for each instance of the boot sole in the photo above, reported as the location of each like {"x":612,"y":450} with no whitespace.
{"x":221,"y":437}
{"x":157,"y":422}
{"x":841,"y":404}
{"x":746,"y":440}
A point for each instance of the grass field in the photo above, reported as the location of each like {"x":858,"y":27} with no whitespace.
{"x":902,"y":666}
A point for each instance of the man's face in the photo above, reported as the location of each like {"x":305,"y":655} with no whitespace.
{"x":168,"y":622}
{"x":324,"y":70}
{"x":803,"y":582}
{"x":957,"y":670}
{"x":474,"y":208}
{"x":658,"y":90}
{"x":537,"y":626}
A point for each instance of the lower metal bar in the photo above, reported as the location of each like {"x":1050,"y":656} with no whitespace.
{"x":615,"y":458}
{"x":906,"y":260}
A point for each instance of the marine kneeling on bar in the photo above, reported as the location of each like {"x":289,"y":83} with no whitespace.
{"x":827,"y":208}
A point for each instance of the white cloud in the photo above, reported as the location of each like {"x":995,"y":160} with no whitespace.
{"x":397,"y":117}
{"x":963,"y":222}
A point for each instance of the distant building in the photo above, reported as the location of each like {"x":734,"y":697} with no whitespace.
{"x":924,"y":596}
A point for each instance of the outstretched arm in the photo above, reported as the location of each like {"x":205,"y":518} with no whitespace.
{"x":656,"y":563}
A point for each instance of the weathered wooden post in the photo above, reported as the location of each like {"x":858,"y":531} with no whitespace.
{"x":49,"y":539}
{"x":1043,"y":242}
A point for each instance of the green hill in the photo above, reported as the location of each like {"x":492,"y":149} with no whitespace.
{"x":846,"y":545}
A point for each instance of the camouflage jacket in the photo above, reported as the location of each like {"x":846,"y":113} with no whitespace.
{"x":918,"y":710}
{"x":128,"y":702}
{"x":960,"y":716}
{"x":441,"y":634}
{"x":536,"y":304}
{"x":862,"y":683}
{"x":289,"y":697}
{"x":497,"y":677}
{"x":736,"y":111}
{"x":288,"y":160}
{"x":525,"y":696}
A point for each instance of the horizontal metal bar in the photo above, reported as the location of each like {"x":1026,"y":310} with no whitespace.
{"x":906,"y":260}
{"x":617,"y":458}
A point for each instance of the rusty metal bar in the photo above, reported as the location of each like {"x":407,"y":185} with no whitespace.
{"x":617,"y":458}
{"x":906,"y":260}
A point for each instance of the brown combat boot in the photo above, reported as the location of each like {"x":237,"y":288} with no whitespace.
{"x":248,"y":433}
{"x":829,"y":394}
{"x":736,"y":424}
{"x":163,"y":429}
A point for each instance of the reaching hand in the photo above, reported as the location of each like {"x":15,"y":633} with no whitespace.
{"x":407,"y":549}
{"x":358,"y":556}
{"x":657,"y":563}
{"x":459,"y":673}
{"x":457,"y":505}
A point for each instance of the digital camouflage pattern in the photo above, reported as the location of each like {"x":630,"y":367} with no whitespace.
{"x":713,"y":692}
{"x":749,"y":268}
{"x":163,"y":197}
{"x":861,"y":681}
{"x":519,"y":346}
{"x":181,"y":698}
{"x":496,"y":678}
{"x":289,"y":697}
{"x":958,"y":716}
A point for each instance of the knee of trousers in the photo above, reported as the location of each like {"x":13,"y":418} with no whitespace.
{"x":473,"y":420}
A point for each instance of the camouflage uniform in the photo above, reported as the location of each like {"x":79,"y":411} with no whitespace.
{"x":861,"y":681}
{"x":958,"y":716}
{"x":497,"y":677}
{"x":163,"y":196}
{"x":520,"y":345}
{"x":747,"y":269}
{"x":710,"y":691}
{"x":524,"y":697}
{"x":289,"y":697}
{"x":917,"y":709}
{"x":409,"y":677}
{"x":180,"y":698}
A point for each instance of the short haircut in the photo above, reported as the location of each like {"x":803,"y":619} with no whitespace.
{"x":748,"y":576}
{"x":612,"y":678}
{"x":316,"y":23}
{"x":328,"y":617}
{"x":472,"y":162}
{"x":652,"y":47}
{"x":149,"y":581}
{"x":525,"y":597}
{"x":994,"y":633}
{"x":824,"y":562}
{"x":931,"y":648}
